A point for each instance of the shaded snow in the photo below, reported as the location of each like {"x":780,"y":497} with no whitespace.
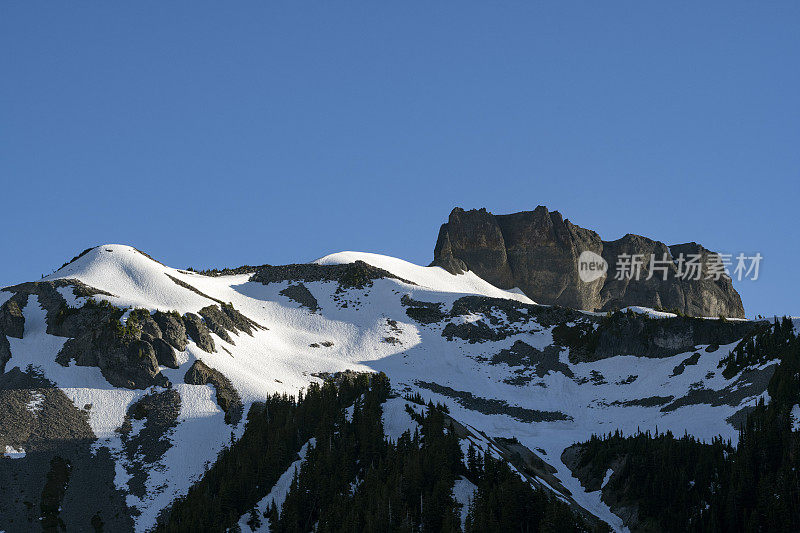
{"x":5,"y":296}
{"x":198,"y":438}
{"x":464,"y":492}
{"x":396,"y":419}
{"x":83,"y":385}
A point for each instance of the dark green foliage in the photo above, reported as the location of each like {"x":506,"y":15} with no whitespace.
{"x":53,"y":493}
{"x":670,"y":479}
{"x":357,"y":275}
{"x":97,"y":523}
{"x":685,"y":485}
{"x":353,"y":478}
{"x":244,"y":473}
{"x":112,"y":316}
{"x":65,"y":311}
{"x":762,"y":490}
{"x":504,"y":502}
{"x":415,"y":398}
{"x":580,"y":338}
{"x":133,"y":325}
{"x":765,"y":343}
{"x":253,"y":519}
{"x":216,"y":272}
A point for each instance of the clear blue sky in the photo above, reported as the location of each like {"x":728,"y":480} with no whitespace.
{"x":217,"y":134}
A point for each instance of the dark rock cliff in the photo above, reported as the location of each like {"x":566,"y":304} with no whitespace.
{"x":538,"y":252}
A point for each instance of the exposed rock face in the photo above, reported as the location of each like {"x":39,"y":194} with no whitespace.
{"x":172,"y":329}
{"x":12,"y":323}
{"x":227,"y":397}
{"x":223,"y":318}
{"x":128,"y":355}
{"x":300,"y":294}
{"x":199,"y":332}
{"x":96,"y":337}
{"x":165,"y":354}
{"x":537,"y":251}
{"x":125,"y":354}
{"x":352,"y":275}
{"x":157,"y":413}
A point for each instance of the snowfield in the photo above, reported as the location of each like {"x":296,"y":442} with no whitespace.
{"x":368,"y":330}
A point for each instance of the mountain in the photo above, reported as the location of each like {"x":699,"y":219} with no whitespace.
{"x":537,"y":251}
{"x":136,"y":396}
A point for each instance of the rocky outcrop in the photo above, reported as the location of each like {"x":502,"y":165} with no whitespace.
{"x":627,"y":333}
{"x":223,"y":318}
{"x":172,"y":329}
{"x":199,"y":332}
{"x":350,"y":275}
{"x":165,"y":353}
{"x":227,"y":397}
{"x":479,"y":319}
{"x":218,"y":322}
{"x":300,"y":294}
{"x":537,"y":251}
{"x":124,"y":354}
{"x":128,"y":355}
{"x":12,"y":323}
{"x":157,"y":414}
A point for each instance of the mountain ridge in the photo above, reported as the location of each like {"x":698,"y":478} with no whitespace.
{"x":504,"y":367}
{"x":538,"y":252}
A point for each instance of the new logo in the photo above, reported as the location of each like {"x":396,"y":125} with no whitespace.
{"x":591,"y":266}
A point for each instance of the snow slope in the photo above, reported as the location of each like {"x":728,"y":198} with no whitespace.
{"x":370,"y":331}
{"x":435,"y":278}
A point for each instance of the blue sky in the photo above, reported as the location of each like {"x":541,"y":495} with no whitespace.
{"x":213,"y":134}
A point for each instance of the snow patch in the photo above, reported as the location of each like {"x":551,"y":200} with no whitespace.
{"x":35,"y":402}
{"x":14,"y":453}
{"x":609,"y":472}
{"x":464,"y":492}
{"x":69,"y":295}
{"x":652,"y":313}
{"x":396,"y":419}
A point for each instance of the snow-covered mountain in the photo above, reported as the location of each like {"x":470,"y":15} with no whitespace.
{"x":138,"y":374}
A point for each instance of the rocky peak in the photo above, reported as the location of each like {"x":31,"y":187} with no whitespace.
{"x":537,"y":251}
